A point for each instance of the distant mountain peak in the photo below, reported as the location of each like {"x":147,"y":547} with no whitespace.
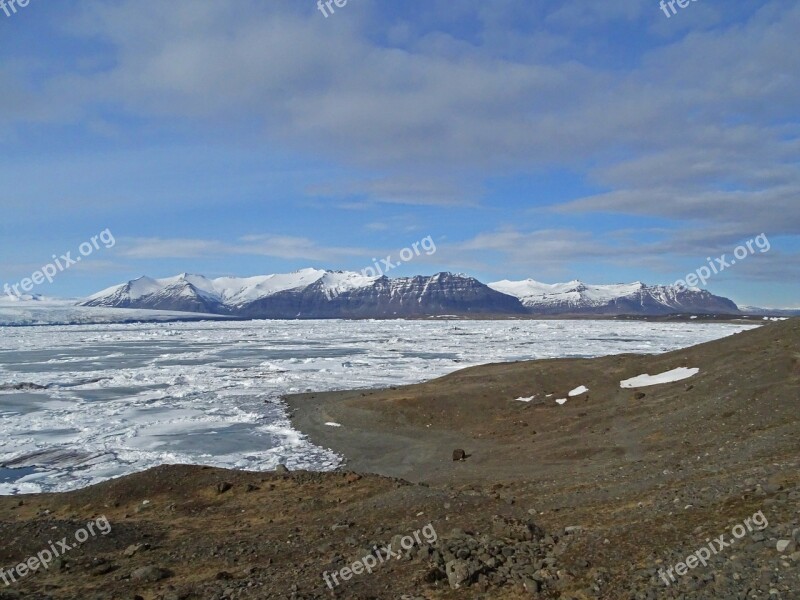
{"x":319,"y":293}
{"x":577,"y":297}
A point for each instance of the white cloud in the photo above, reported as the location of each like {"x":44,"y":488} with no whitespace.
{"x":277,"y":246}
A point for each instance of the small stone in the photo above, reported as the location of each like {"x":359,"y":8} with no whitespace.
{"x":573,"y":529}
{"x":531,"y":586}
{"x":459,"y":454}
{"x":223,"y":487}
{"x":282,"y":469}
{"x":458,"y":573}
{"x":134,"y":548}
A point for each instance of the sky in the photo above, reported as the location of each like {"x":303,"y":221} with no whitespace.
{"x":552,"y":140}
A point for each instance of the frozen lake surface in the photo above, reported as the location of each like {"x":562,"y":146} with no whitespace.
{"x":122,"y":398}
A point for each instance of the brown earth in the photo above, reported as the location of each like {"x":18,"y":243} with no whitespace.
{"x":642,"y":478}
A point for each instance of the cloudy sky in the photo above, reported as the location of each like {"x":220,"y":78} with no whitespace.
{"x":555,"y":140}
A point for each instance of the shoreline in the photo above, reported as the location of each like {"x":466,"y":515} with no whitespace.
{"x":744,"y":318}
{"x":583,"y":499}
{"x":380,"y":430}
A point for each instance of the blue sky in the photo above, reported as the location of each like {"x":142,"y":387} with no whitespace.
{"x":553,"y":140}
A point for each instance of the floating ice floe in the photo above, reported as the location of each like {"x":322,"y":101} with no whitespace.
{"x":667,"y":377}
{"x":332,"y":424}
{"x":582,"y":389}
{"x":561,"y":401}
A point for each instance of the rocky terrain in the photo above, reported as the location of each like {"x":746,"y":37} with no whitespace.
{"x":603,"y":495}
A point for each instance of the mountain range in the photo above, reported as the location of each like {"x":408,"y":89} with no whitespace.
{"x":323,"y":294}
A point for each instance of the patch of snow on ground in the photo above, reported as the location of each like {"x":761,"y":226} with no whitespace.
{"x":645,"y":380}
{"x":582,"y":389}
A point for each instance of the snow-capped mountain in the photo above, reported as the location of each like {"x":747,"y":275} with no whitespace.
{"x":320,"y":294}
{"x":771,"y":312}
{"x":311,"y":293}
{"x":195,"y":293}
{"x":576,"y":297}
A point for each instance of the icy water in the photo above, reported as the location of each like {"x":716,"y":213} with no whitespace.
{"x":122,"y":398}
